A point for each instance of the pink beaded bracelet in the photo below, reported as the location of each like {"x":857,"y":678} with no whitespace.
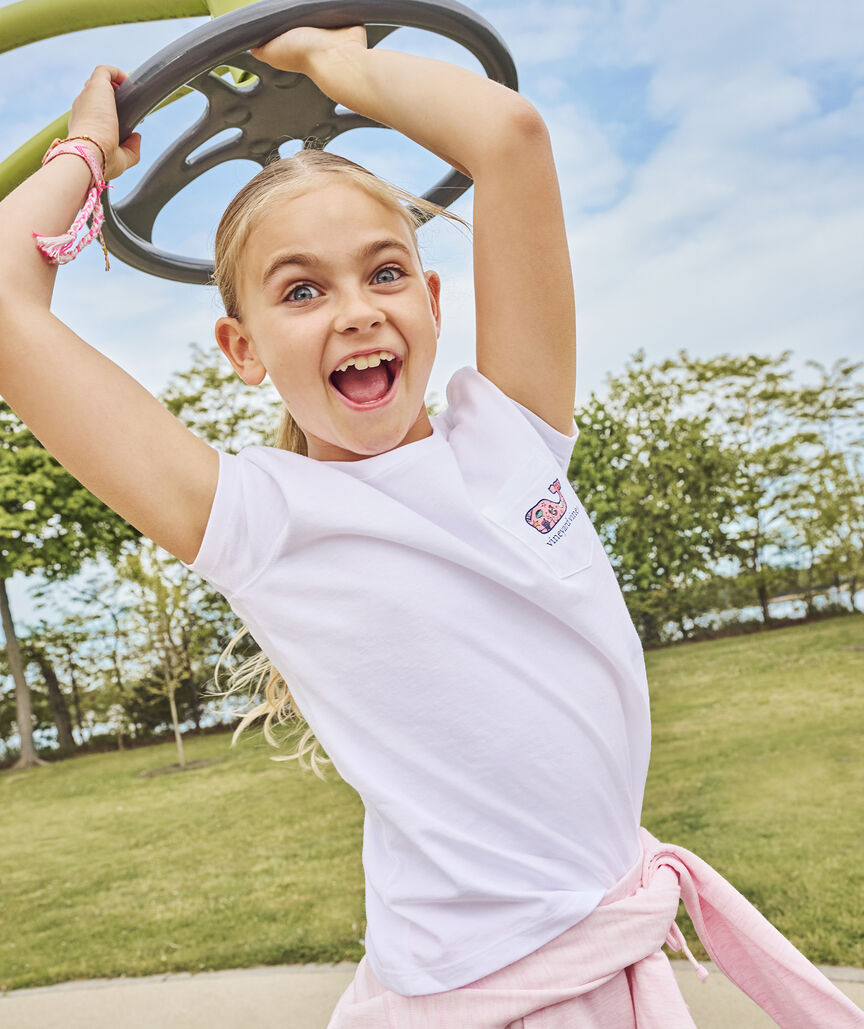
{"x":61,"y":249}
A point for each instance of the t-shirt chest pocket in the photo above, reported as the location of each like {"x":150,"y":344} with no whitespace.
{"x":539,"y":507}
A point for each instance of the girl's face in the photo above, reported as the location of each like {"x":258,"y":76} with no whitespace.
{"x":331,"y":275}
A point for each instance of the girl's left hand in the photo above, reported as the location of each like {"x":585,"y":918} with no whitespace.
{"x":94,"y":114}
{"x":297,"y":49}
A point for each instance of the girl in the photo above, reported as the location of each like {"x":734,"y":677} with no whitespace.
{"x":432,"y":589}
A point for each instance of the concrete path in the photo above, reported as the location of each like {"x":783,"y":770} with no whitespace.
{"x":301,"y":997}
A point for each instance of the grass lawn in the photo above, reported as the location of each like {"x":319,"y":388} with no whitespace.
{"x":756,"y":766}
{"x":240,"y":863}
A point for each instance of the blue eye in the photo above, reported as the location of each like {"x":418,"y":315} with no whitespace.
{"x":303,"y":286}
{"x":393,"y":270}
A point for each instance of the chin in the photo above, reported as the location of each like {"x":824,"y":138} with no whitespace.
{"x":355,"y":446}
{"x":377,"y":443}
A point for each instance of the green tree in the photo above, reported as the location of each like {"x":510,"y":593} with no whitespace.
{"x":217,"y":405}
{"x":753,"y":403}
{"x":835,"y":520}
{"x":88,"y":641}
{"x":49,"y":523}
{"x":655,"y":479}
{"x":812,"y":505}
{"x":175,"y":639}
{"x":38,"y":654}
{"x":7,"y":707}
{"x":711,"y":481}
{"x":834,"y":407}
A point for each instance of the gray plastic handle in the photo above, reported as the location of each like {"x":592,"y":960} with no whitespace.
{"x":279,"y":106}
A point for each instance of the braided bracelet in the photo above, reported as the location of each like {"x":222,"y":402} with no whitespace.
{"x":61,"y":249}
{"x":89,"y":139}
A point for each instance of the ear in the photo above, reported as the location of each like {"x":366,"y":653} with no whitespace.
{"x":235,"y":344}
{"x":433,"y":284}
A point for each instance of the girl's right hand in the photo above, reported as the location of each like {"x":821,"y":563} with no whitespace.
{"x":297,"y":49}
{"x":94,"y":114}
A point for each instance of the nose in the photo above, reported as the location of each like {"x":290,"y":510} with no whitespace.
{"x":358,"y":313}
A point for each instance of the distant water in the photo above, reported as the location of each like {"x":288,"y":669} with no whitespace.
{"x":47,"y":738}
{"x":776,"y":608}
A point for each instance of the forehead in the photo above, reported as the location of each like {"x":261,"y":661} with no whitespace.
{"x":332,"y":222}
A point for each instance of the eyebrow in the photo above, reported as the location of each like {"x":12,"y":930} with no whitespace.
{"x":311,"y":260}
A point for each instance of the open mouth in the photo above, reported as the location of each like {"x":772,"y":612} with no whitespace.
{"x":368,"y":388}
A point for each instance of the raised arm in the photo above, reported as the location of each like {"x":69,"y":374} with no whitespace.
{"x":526,"y":334}
{"x":105,"y":428}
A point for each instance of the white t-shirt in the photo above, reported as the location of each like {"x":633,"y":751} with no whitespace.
{"x":452,"y":630}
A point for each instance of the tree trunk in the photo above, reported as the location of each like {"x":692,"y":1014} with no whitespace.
{"x":24,"y":712}
{"x":118,"y":678}
{"x":808,"y":592}
{"x":189,"y":680}
{"x":177,"y":736}
{"x":76,"y":701}
{"x":195,"y":704}
{"x":761,"y":587}
{"x":59,"y":708}
{"x":853,"y":589}
{"x":762,"y":590}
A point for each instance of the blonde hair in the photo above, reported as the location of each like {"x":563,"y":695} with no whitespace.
{"x":281,"y":180}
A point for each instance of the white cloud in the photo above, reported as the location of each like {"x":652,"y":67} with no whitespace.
{"x":590,"y":170}
{"x":723,"y":38}
{"x":741,"y":230}
{"x":537,"y":31}
{"x":836,"y":130}
{"x":759,"y":98}
{"x":740,"y":253}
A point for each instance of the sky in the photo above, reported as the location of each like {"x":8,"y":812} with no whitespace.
{"x":711,"y":161}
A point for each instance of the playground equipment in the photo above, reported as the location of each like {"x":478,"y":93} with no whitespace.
{"x":264,"y":106}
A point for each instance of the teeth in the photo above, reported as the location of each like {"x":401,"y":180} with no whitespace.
{"x":368,"y":361}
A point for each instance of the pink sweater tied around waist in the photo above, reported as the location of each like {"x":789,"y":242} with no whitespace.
{"x":624,"y":936}
{"x":744,"y":945}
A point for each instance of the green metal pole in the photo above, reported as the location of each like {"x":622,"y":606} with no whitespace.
{"x":21,"y":164}
{"x":31,"y":20}
{"x":218,"y":7}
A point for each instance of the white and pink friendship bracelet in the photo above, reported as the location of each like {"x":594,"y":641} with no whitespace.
{"x":61,"y":249}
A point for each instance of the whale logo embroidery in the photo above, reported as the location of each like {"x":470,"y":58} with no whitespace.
{"x":546,"y":514}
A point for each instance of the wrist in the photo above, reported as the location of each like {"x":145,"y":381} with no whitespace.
{"x":101,"y":150}
{"x":59,"y":248}
{"x":337,"y":71}
{"x":101,"y":156}
{"x":86,"y":142}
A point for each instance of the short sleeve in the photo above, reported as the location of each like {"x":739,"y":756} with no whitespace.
{"x":559,"y":443}
{"x":486,"y":411}
{"x":248,"y":519}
